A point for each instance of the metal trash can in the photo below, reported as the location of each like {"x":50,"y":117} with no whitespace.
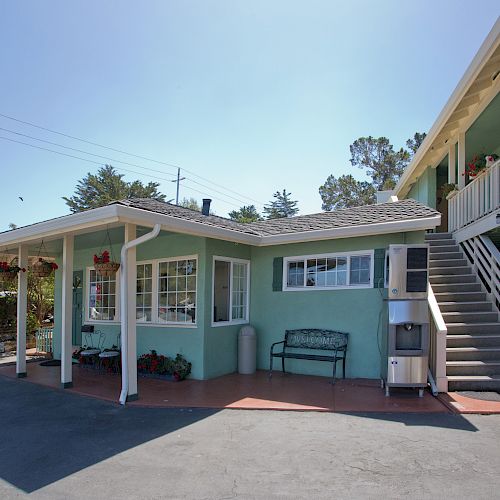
{"x":247,"y":350}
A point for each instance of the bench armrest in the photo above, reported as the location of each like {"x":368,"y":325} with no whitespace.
{"x":277,"y":343}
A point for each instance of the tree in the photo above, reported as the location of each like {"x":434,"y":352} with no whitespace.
{"x":97,"y":190}
{"x":12,"y":225}
{"x":414,"y":142}
{"x":344,"y":192}
{"x":282,"y":206}
{"x":191,"y":203}
{"x":245,"y":214}
{"x":382,"y":163}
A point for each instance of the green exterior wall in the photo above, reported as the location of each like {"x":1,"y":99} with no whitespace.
{"x":424,"y":189}
{"x":213,"y":350}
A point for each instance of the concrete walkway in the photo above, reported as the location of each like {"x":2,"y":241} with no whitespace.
{"x":58,"y":445}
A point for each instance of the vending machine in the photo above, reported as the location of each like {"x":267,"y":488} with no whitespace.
{"x":406,"y":355}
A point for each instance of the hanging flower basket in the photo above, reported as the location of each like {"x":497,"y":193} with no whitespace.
{"x":9,"y":271}
{"x":104,"y":266}
{"x":43,"y":268}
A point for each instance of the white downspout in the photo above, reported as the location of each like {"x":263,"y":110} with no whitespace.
{"x":124,"y":304}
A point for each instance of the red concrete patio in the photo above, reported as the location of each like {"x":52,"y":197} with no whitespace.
{"x":281,"y":392}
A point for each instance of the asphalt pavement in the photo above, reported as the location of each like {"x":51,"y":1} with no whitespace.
{"x":57,"y":445}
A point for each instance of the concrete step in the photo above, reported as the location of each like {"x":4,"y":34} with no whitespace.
{"x":445,"y":255}
{"x":470,"y":317}
{"x":473,"y":328}
{"x":452,"y":278}
{"x":456,"y":287}
{"x":448,"y":263}
{"x":474,"y":383}
{"x":440,"y":242}
{"x":465,"y":306}
{"x":438,"y":236}
{"x":490,"y":367}
{"x":472,"y":353}
{"x":443,"y":248}
{"x":460,"y":296}
{"x":477,"y":340}
{"x":438,"y":271}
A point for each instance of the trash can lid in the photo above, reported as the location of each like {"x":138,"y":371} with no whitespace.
{"x":247,"y":331}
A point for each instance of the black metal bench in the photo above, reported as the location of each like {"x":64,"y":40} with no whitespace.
{"x":312,"y":338}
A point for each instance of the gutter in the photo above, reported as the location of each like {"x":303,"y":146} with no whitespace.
{"x":124,"y":304}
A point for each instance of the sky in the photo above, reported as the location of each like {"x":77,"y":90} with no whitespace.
{"x":246,"y":97}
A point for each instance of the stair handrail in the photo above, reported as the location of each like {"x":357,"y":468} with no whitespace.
{"x":437,"y":358}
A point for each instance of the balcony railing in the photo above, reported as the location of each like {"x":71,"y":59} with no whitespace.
{"x":478,"y":199}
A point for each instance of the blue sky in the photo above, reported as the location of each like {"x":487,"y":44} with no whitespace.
{"x":254,"y":96}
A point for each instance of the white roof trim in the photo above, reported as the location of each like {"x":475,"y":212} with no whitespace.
{"x":489,"y":45}
{"x":100,"y":217}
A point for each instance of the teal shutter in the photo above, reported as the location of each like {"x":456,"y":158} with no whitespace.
{"x":379,"y":268}
{"x":278,"y":274}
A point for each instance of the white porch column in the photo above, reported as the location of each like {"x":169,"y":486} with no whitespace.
{"x":130,"y":234}
{"x":452,"y":160}
{"x":22,"y":311}
{"x":67,"y":312}
{"x":461,"y":160}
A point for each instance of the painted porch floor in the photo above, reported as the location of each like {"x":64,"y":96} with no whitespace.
{"x":282,"y":392}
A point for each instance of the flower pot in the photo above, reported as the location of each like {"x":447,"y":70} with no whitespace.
{"x":106,"y":269}
{"x":42,"y":269}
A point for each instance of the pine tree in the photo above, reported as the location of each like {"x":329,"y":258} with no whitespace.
{"x":282,"y":206}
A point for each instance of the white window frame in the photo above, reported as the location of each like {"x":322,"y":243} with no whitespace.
{"x":232,"y":261}
{"x":87,"y":320}
{"x":304,"y":258}
{"x":154,"y":323}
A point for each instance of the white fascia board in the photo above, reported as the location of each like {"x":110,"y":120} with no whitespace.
{"x":56,"y":228}
{"x":169,"y":223}
{"x":354,"y":231}
{"x":484,"y":53}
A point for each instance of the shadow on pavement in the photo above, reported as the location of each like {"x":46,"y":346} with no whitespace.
{"x":48,"y":435}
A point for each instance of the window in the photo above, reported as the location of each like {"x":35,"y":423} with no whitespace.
{"x":102,"y":297}
{"x":165,"y":293}
{"x":144,"y":305}
{"x":328,"y":271}
{"x":177,"y":291}
{"x":230,"y":290}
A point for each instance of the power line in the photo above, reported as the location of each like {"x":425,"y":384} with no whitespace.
{"x":126,"y":153}
{"x":123,"y":162}
{"x":100,"y":164}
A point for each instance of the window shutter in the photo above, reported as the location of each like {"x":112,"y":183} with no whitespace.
{"x":278,"y":274}
{"x":379,"y":266}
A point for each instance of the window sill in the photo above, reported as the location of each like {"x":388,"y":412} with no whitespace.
{"x":229,"y":323}
{"x":189,"y":326}
{"x":325,"y":288}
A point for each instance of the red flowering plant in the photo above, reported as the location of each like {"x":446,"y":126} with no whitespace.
{"x":155,"y":364}
{"x":43,"y":268}
{"x":102,"y":258}
{"x":9,"y":270}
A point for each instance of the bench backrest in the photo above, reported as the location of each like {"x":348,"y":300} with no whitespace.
{"x":315,"y":338}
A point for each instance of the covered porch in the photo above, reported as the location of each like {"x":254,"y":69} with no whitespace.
{"x":257,"y":392}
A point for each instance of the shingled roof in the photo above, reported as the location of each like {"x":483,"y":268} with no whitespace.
{"x":399,"y":211}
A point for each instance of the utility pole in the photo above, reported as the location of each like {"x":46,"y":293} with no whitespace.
{"x":178,"y":180}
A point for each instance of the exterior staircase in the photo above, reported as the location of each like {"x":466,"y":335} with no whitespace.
{"x":473,"y":341}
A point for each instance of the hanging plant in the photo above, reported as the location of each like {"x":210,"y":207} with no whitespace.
{"x":9,"y":271}
{"x":104,"y":266}
{"x":43,"y":268}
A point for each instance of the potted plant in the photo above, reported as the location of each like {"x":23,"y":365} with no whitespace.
{"x":43,"y":268}
{"x":490,"y":159}
{"x":104,"y":266}
{"x":158,"y":366}
{"x":9,"y":271}
{"x":449,"y":190}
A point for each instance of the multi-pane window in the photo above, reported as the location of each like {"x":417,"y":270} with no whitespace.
{"x":144,"y":305}
{"x":328,"y":271}
{"x":230,"y":290}
{"x":102,"y":297}
{"x":177,"y":291}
